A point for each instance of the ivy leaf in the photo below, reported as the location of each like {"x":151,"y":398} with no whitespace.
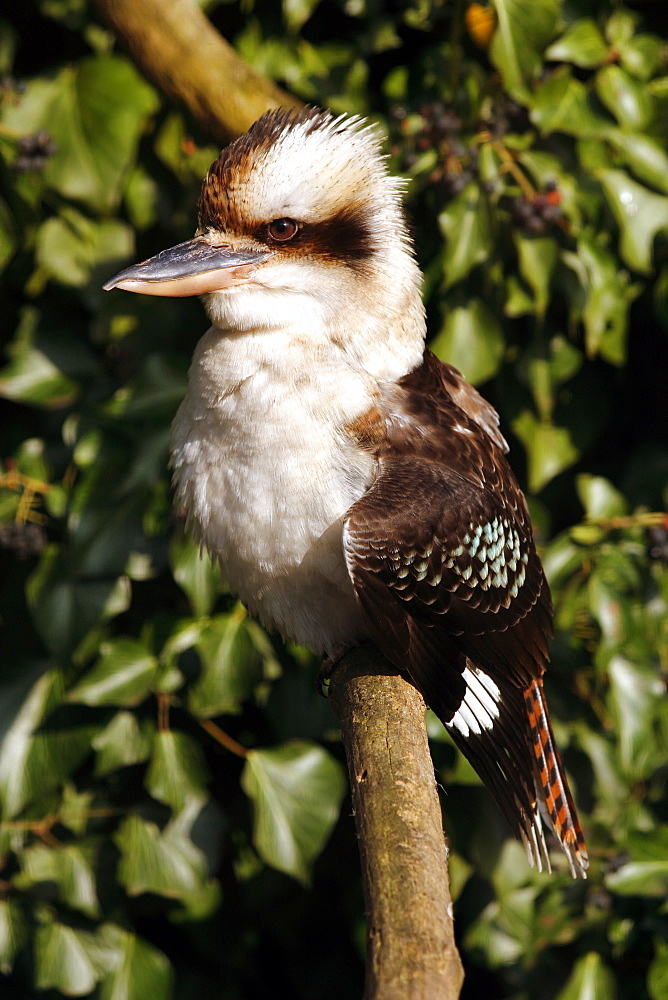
{"x":591,"y":979}
{"x":625,"y":98}
{"x":523,"y":30}
{"x":582,"y":44}
{"x":231,"y":666}
{"x":641,"y":55}
{"x":471,"y":340}
{"x":141,"y":198}
{"x":74,"y":808}
{"x":550,"y":449}
{"x":296,"y":790}
{"x":537,"y":260}
{"x":643,"y":155}
{"x":177,"y":771}
{"x":142,"y":972}
{"x":122,"y":743}
{"x":297,"y":12}
{"x":171,"y":144}
{"x":640,"y":878}
{"x":504,"y":928}
{"x":636,"y":694}
{"x":70,"y":246}
{"x":68,"y":868}
{"x":545,"y":367}
{"x":605,"y":301}
{"x":45,"y":365}
{"x":621,"y":26}
{"x":13,"y":932}
{"x":195,"y":574}
{"x":465,"y":224}
{"x":611,"y":787}
{"x":562,"y":560}
{"x":648,"y":845}
{"x":563,"y":104}
{"x":63,"y":960}
{"x":166,"y":863}
{"x":519,"y":301}
{"x":34,"y":760}
{"x":65,"y":609}
{"x":565,"y":360}
{"x":110,"y":956}
{"x":123,"y":675}
{"x":104,"y":535}
{"x":640,"y":215}
{"x":657,"y":975}
{"x":95,"y":110}
{"x":603,"y":600}
{"x":155,"y":392}
{"x":599,"y":497}
{"x":547,"y":169}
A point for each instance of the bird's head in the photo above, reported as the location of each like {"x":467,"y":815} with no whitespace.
{"x":300,"y":224}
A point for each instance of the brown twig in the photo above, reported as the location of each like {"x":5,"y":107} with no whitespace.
{"x":223,"y":738}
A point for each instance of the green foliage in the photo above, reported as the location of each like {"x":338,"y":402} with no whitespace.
{"x":169,"y":780}
{"x":297,"y":790}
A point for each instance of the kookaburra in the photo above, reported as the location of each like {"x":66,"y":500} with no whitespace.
{"x":350,"y":484}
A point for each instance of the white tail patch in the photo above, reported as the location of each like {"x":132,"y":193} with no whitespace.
{"x":480,"y":705}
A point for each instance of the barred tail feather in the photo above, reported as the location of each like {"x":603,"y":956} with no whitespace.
{"x":489,"y":727}
{"x":507,"y":736}
{"x":551,"y":783}
{"x":501,"y":771}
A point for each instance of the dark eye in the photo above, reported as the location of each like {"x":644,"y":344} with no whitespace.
{"x":282,"y":229}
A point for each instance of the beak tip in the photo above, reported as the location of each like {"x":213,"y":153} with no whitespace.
{"x":117,"y":280}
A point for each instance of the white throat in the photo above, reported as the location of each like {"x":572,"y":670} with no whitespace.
{"x":371,"y":321}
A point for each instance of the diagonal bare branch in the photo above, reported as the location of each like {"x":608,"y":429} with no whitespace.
{"x":178,"y":49}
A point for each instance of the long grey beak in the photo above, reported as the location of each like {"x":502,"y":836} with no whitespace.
{"x":190,"y":268}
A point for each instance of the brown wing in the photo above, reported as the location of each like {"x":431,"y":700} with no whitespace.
{"x":442,"y":542}
{"x":441,"y":555}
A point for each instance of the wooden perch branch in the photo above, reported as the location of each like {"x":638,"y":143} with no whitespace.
{"x":179,"y":50}
{"x":411,"y":951}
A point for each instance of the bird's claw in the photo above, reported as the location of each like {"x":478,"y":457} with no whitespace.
{"x":328,"y":666}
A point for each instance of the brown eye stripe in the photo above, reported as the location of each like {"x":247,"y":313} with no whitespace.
{"x":345,"y":237}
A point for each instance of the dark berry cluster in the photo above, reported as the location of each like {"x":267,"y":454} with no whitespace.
{"x":505,"y":116}
{"x":439,"y":128}
{"x":23,"y":540}
{"x":657,"y":542}
{"x":534,"y":213}
{"x":34,"y":151}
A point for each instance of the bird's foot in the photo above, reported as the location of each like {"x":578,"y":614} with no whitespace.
{"x":329,"y":665}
